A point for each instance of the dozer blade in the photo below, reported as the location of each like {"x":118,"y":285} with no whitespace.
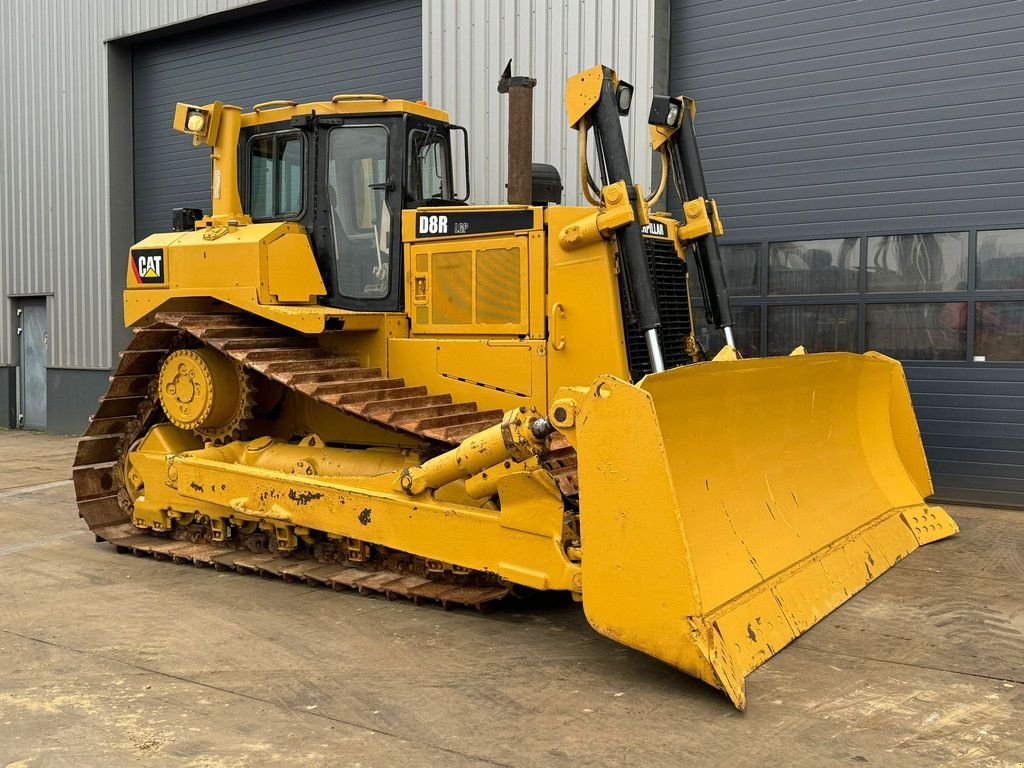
{"x":726,"y":507}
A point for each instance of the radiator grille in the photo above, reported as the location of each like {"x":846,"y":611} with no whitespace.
{"x":451,"y":278}
{"x":498,"y":286}
{"x":668,"y":272}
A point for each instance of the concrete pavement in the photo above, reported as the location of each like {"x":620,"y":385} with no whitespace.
{"x":111,"y":660}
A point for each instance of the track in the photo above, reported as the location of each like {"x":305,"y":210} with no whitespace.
{"x":130,"y":408}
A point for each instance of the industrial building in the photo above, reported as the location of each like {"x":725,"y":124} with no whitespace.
{"x":867,"y":159}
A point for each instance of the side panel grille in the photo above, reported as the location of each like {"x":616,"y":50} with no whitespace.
{"x":668,"y":272}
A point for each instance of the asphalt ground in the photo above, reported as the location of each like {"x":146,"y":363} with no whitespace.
{"x":112,"y":660}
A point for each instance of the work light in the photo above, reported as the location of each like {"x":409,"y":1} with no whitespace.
{"x":665,"y":111}
{"x":196,"y":120}
{"x":624,"y":97}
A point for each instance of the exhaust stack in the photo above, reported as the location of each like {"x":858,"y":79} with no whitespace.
{"x":520,"y":135}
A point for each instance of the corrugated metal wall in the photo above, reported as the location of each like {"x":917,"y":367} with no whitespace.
{"x":54,"y":184}
{"x":466,"y":46}
{"x":135,"y":16}
{"x":311,"y":54}
{"x":54,"y":55}
{"x":820,"y":118}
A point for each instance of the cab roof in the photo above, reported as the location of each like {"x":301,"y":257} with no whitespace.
{"x":342,"y":104}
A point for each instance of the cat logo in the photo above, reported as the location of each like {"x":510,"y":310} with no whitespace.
{"x":148,"y":265}
{"x":654,"y":228}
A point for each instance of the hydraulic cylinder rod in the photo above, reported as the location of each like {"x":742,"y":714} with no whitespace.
{"x":522,"y":433}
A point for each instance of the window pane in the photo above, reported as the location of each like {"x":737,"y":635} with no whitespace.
{"x":936,"y":262}
{"x":925,"y":331}
{"x":430,"y":167}
{"x":814,"y":266}
{"x":741,"y":269}
{"x":275,"y":176}
{"x":746,"y":331}
{"x":1000,"y":259}
{"x":289,"y":152}
{"x":261,"y":178}
{"x":818,"y":327}
{"x":360,"y":218}
{"x":999,"y":330}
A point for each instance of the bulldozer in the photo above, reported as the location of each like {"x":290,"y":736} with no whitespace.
{"x":346,"y":375}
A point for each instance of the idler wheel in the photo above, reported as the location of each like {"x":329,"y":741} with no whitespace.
{"x":205,"y":392}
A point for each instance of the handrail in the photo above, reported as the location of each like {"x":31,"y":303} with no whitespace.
{"x":276,"y":104}
{"x":358,"y":97}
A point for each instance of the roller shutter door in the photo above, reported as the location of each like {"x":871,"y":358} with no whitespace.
{"x":303,"y":53}
{"x":867,"y":137}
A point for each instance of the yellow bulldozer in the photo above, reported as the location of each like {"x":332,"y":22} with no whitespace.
{"x":347,"y":376}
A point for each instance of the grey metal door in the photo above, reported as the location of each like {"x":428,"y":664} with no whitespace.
{"x":32,"y":341}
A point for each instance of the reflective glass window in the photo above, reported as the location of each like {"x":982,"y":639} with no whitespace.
{"x":357,"y":167}
{"x":818,"y":327}
{"x":261,"y":177}
{"x":932,"y":262}
{"x":999,"y":330}
{"x":275,"y":176}
{"x":918,"y":331}
{"x":813,"y":266}
{"x":742,"y":268}
{"x":289,"y":176}
{"x":1000,"y":259}
{"x":431,"y":178}
{"x":746,"y":330}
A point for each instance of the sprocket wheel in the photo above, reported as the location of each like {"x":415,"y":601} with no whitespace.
{"x":203,"y":391}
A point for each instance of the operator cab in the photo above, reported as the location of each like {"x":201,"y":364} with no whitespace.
{"x":346,"y":179}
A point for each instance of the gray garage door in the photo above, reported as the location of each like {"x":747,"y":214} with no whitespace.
{"x":867,"y":158}
{"x":303,"y":53}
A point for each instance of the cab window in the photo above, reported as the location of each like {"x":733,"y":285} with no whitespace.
{"x":357,"y":169}
{"x":429,"y":167}
{"x":275,"y":175}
